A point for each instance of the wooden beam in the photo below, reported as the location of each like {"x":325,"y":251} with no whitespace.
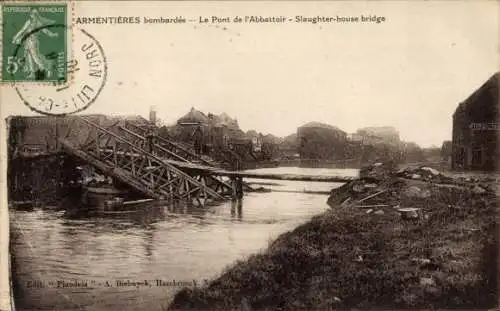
{"x":297,"y":177}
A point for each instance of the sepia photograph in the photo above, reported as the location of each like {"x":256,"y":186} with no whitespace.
{"x":249,"y":155}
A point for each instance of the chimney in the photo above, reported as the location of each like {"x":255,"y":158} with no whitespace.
{"x":152,"y":115}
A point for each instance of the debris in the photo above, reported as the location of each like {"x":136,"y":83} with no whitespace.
{"x":471,"y":229}
{"x":427,"y":281}
{"x":346,"y":202}
{"x":409,"y":213}
{"x":379,"y":212}
{"x":245,"y":305}
{"x":478,"y":190}
{"x":371,"y":185}
{"x":373,"y":195}
{"x":416,"y":192}
{"x":430,"y":170}
{"x":379,"y":171}
{"x":358,"y":188}
{"x":369,"y":211}
{"x":420,"y":261}
{"x":371,"y":206}
{"x":423,"y":173}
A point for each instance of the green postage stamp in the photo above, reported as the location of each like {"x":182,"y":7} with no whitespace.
{"x":34,"y":42}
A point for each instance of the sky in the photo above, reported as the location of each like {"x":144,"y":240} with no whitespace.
{"x":410,"y":71}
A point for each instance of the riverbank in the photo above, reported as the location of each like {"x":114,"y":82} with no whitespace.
{"x":364,"y":254}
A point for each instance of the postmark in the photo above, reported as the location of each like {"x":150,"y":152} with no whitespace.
{"x":34,"y":49}
{"x":86,"y":77}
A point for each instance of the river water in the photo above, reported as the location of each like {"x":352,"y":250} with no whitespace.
{"x":161,"y":249}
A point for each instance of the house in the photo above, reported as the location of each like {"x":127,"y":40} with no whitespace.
{"x":411,"y":152}
{"x":256,"y":139}
{"x":288,"y":147}
{"x":321,"y":141}
{"x":222,"y":136}
{"x":193,"y":117}
{"x":354,"y":137}
{"x":378,"y":135}
{"x":40,"y":134}
{"x":187,"y":124}
{"x":446,"y":151}
{"x":475,"y":131}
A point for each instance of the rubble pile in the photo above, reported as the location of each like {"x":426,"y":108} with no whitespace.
{"x":377,"y":171}
{"x":424,"y":173}
{"x":409,"y":192}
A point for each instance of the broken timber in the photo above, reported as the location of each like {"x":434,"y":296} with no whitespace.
{"x":143,"y":171}
{"x":177,"y":155}
{"x":176,"y":149}
{"x":170,"y":156}
{"x":170,"y":171}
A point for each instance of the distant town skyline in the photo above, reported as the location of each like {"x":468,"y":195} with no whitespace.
{"x":207,"y":113}
{"x":410,"y":71}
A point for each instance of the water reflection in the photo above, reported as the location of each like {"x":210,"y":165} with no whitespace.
{"x":116,"y":221}
{"x":237,"y":209}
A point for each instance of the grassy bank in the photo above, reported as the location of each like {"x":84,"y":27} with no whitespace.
{"x":354,"y":257}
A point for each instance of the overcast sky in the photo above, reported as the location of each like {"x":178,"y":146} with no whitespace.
{"x":409,"y":72}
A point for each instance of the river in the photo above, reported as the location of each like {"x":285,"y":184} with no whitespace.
{"x":166,"y":247}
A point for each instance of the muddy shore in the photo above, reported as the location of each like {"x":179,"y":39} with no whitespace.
{"x":412,"y":238}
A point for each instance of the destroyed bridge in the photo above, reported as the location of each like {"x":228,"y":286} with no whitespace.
{"x":159,"y":168}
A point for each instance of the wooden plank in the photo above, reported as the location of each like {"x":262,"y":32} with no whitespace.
{"x":137,"y":201}
{"x":297,"y":177}
{"x":247,"y":174}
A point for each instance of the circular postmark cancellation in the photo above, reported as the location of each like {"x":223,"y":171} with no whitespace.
{"x":65,"y":85}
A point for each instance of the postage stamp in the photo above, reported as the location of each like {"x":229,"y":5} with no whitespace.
{"x":34,"y":42}
{"x":86,"y":71}
{"x":55,"y":68}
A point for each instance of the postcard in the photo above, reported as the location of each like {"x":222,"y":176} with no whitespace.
{"x":249,"y":155}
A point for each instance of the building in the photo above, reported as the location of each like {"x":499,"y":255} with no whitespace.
{"x":354,"y":137}
{"x":40,"y":134}
{"x":446,"y":151}
{"x":187,"y":124}
{"x":378,"y":135}
{"x":288,"y":147}
{"x":411,"y":152}
{"x":474,"y":143}
{"x":256,"y":139}
{"x":321,"y":141}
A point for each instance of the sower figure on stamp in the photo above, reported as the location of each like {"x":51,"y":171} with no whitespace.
{"x":198,"y":139}
{"x":35,"y":61}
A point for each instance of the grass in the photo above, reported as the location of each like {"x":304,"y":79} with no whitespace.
{"x":347,"y":259}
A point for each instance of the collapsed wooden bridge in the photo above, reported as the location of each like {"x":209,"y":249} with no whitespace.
{"x":160,"y":168}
